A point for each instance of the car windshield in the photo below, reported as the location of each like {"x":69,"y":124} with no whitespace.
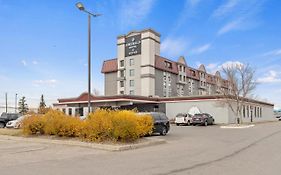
{"x":4,"y":115}
{"x":198,"y":115}
{"x":181,"y":115}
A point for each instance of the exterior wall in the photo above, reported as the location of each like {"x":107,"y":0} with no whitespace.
{"x":218,"y":110}
{"x":266,"y":113}
{"x":174,"y":79}
{"x":144,"y":71}
{"x":110,"y":84}
{"x":159,"y":83}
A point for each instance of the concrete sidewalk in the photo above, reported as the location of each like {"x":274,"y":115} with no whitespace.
{"x":143,"y":142}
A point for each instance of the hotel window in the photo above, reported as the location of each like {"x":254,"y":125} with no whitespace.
{"x":132,"y":62}
{"x":70,"y":111}
{"x":260,"y":112}
{"x":193,"y":73}
{"x":132,"y":92}
{"x":132,"y":83}
{"x":122,"y":63}
{"x":168,"y":65}
{"x":132,"y":72}
{"x":121,"y":83}
{"x":121,"y":92}
{"x":122,"y":73}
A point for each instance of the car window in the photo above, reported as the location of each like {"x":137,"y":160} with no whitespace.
{"x":181,"y":115}
{"x":163,"y":117}
{"x":156,"y":116}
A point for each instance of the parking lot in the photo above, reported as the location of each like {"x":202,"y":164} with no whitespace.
{"x":189,"y":150}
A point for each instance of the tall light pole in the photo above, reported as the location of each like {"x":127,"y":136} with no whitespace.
{"x":81,"y":7}
{"x":16,"y":101}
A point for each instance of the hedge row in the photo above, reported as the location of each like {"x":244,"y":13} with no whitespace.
{"x":102,"y":125}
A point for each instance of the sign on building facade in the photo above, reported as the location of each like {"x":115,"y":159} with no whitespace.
{"x":133,"y":45}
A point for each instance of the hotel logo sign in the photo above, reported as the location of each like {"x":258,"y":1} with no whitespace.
{"x":133,"y":45}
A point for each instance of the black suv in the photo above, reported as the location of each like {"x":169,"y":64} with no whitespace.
{"x":6,"y":117}
{"x":161,"y":122}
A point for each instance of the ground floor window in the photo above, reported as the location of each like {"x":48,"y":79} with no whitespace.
{"x":70,"y":111}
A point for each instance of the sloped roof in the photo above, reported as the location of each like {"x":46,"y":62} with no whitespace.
{"x":202,"y":68}
{"x":109,"y":66}
{"x":182,"y":60}
{"x":160,"y":64}
{"x":192,"y":73}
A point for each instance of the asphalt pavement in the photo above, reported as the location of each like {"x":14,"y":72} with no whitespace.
{"x":189,"y":150}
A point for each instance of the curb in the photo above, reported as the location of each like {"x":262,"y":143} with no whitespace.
{"x":237,"y":127}
{"x":107,"y":147}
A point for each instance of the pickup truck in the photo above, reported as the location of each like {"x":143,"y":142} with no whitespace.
{"x":6,"y":117}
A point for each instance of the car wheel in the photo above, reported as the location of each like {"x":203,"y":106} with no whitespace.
{"x":178,"y":124}
{"x":206,"y":123}
{"x":2,"y":125}
{"x":164,"y":131}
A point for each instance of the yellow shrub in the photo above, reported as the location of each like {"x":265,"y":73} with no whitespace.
{"x":124,"y":126}
{"x":145,"y":125}
{"x":102,"y":125}
{"x":98,"y":126}
{"x":57,"y":123}
{"x":34,"y":125}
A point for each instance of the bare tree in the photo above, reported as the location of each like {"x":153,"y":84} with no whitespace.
{"x":241,"y":83}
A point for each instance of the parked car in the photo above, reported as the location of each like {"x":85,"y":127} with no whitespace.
{"x":16,"y":123}
{"x":183,"y":119}
{"x":203,"y":119}
{"x":6,"y":117}
{"x":161,"y":122}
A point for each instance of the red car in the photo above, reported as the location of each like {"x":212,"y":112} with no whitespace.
{"x":203,"y":119}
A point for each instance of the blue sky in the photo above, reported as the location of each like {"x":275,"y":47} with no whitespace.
{"x":43,"y":44}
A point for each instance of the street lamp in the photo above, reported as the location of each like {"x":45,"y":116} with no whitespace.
{"x":81,"y":7}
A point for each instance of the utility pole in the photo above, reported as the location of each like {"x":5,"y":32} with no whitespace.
{"x":6,"y":97}
{"x":16,"y":99}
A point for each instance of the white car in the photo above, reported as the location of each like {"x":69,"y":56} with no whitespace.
{"x":15,"y":123}
{"x":183,"y":119}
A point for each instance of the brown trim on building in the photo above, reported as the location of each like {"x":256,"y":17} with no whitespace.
{"x":118,"y":44}
{"x":84,"y":97}
{"x":147,"y":65}
{"x":138,"y":32}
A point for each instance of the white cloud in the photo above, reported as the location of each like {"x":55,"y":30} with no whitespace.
{"x":34,"y":62}
{"x":173,"y":47}
{"x":201,"y":49}
{"x":233,"y":25}
{"x":51,"y":82}
{"x":212,"y":68}
{"x":133,"y":12}
{"x":225,"y":8}
{"x":23,"y":62}
{"x":276,"y":52}
{"x":239,"y":14}
{"x":193,"y":3}
{"x":271,"y":77}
